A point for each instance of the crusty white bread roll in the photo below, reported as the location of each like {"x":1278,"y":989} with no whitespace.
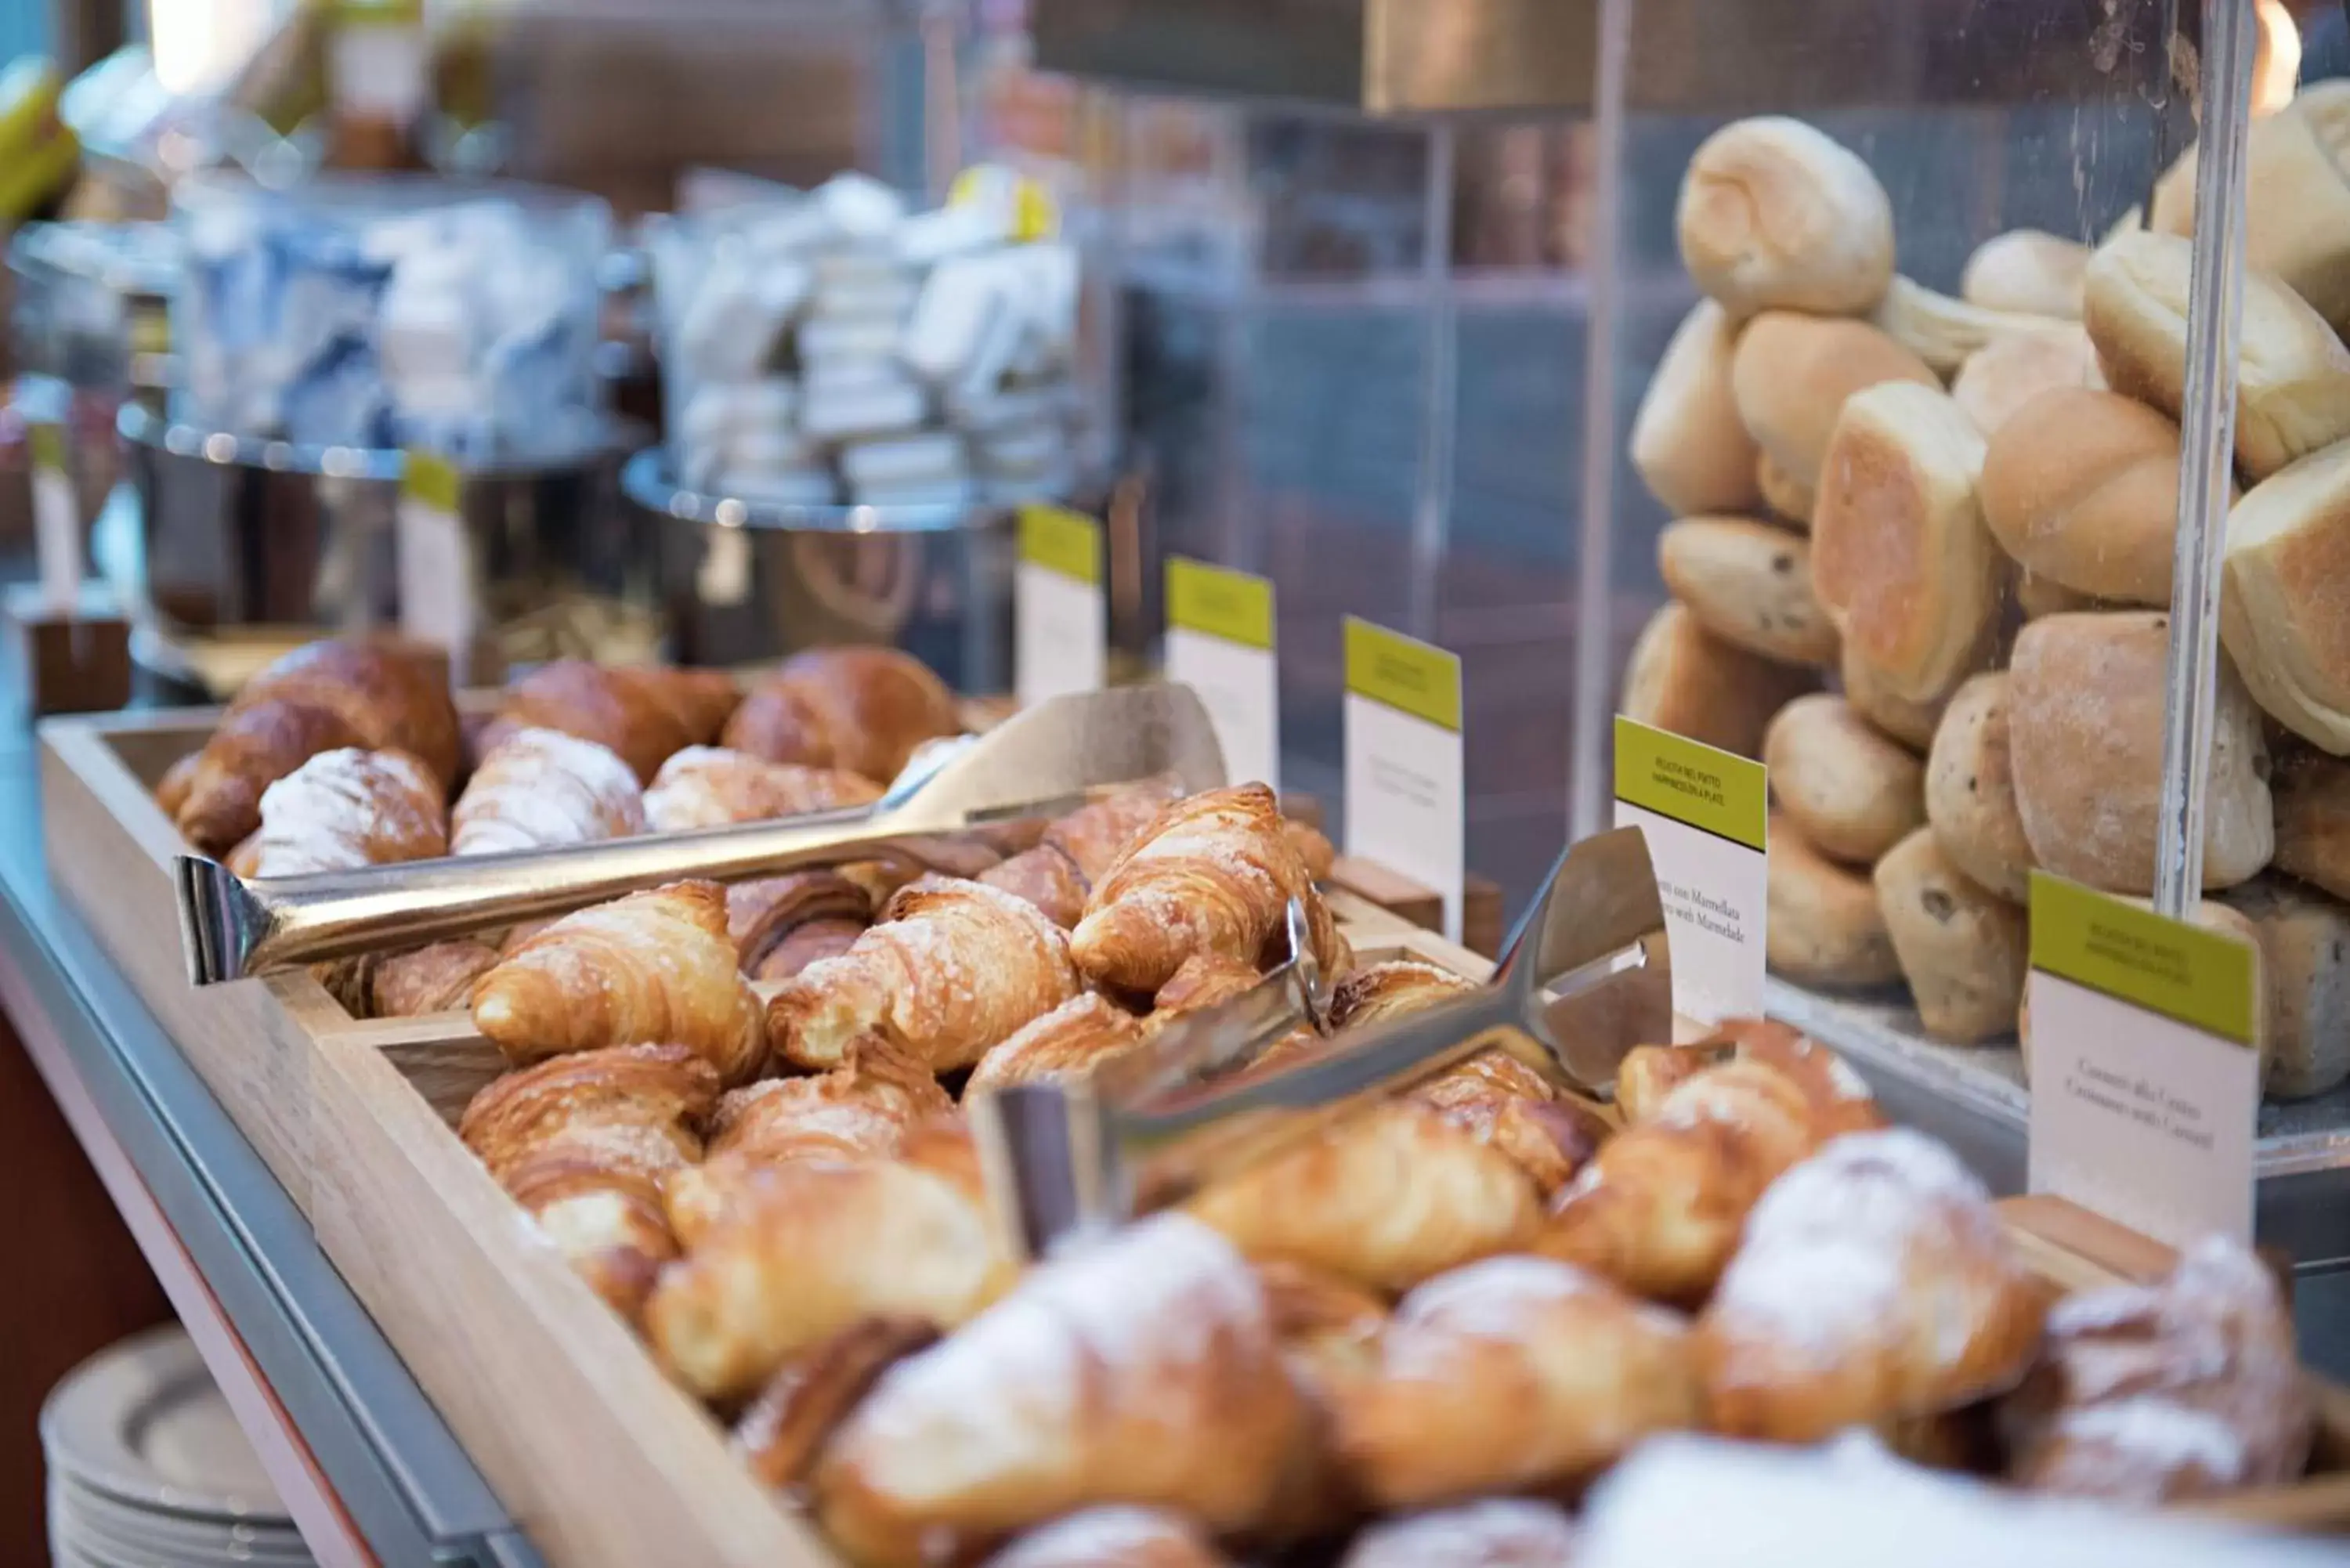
{"x":1867,"y":688}
{"x":1852,"y":792}
{"x":2085,"y":728}
{"x":1784,"y":496}
{"x":2008,"y":372}
{"x":1971,"y":790}
{"x":2028,"y":271}
{"x":2081,"y":488}
{"x":1962,"y":948}
{"x":2036,"y":596}
{"x":2296,"y":198}
{"x":1684,"y":678}
{"x":2276,"y":57}
{"x":1687,"y":440}
{"x":1749,"y":584}
{"x":2313,"y":819}
{"x":1823,"y":925}
{"x":2284,"y":602}
{"x":1775,"y":214}
{"x":1943,"y":331}
{"x":1899,"y":554}
{"x":2304,"y":939}
{"x":2294,"y":387}
{"x":1792,"y":375}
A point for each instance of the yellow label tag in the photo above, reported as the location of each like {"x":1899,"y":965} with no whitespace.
{"x":1404,"y":673}
{"x":47,"y":442}
{"x":2200,"y":977}
{"x":433,"y":479}
{"x":1714,"y":791}
{"x":1035,"y":214}
{"x":1216,"y":601}
{"x":1063,"y":540}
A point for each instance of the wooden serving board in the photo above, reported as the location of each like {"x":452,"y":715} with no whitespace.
{"x":604,"y":1461}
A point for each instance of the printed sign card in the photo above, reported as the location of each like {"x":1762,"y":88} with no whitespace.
{"x":56,"y":519}
{"x":1405,"y":801}
{"x":434,"y":568}
{"x":1060,"y":613}
{"x":1704,"y":814}
{"x":1219,"y":643}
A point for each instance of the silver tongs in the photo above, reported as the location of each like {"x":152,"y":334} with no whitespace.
{"x":1043,"y":762}
{"x":1586,"y":976}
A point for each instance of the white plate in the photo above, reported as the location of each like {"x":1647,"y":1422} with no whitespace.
{"x":117,"y":1532}
{"x":143,"y":1421}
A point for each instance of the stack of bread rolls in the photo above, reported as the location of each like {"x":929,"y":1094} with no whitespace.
{"x":1921,"y":567}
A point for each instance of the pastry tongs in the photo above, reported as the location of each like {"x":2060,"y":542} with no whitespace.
{"x":1043,"y":762}
{"x":1586,"y":976}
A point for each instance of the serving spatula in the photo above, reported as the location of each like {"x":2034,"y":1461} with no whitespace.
{"x":1043,"y":762}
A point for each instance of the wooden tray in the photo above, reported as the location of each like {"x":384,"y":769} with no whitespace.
{"x":604,"y":1461}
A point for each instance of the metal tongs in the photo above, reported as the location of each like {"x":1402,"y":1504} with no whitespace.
{"x":1043,"y":762}
{"x":1586,"y":976}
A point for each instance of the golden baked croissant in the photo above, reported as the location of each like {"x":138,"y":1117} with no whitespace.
{"x":863,"y":1109}
{"x":783,"y":1430}
{"x":1078,"y":850}
{"x":860,"y":708}
{"x":541,"y":789}
{"x":1139,"y":1370}
{"x":1649,"y":1072}
{"x":1386,"y":1199}
{"x":817,"y":1246}
{"x":322,"y":697}
{"x":643,"y":713}
{"x":1203,"y":979}
{"x":1113,"y":1537}
{"x":2185,"y":1388}
{"x":1211,"y":874}
{"x":1068,"y":1042}
{"x":1390,"y":990}
{"x":794,"y":919}
{"x":439,"y":978}
{"x":652,"y":966}
{"x":1874,"y":1283}
{"x":1315,"y":852}
{"x":710,"y":787}
{"x":1492,"y":1532}
{"x":953,"y":968}
{"x":582,"y":1142}
{"x":346,"y":808}
{"x":1512,"y":1375}
{"x":171,"y":789}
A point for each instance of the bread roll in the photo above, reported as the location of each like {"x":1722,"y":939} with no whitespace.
{"x":2294,"y":391}
{"x":2276,"y":57}
{"x":2296,"y":200}
{"x":1851,"y":792}
{"x":1971,"y":790}
{"x":1899,"y":554}
{"x":2313,"y":820}
{"x":2085,"y":725}
{"x":2027,"y":270}
{"x":1749,"y":583}
{"x":1962,"y":948}
{"x":2081,"y":488}
{"x":1868,"y":690}
{"x":2008,"y":372}
{"x":1822,"y":925}
{"x":2284,"y":604}
{"x":2304,"y":939}
{"x":1792,"y":375}
{"x":1786,"y":497}
{"x":2036,"y":596}
{"x":1944,"y":332}
{"x":1687,"y":440}
{"x":1685,"y":679}
{"x":1776,"y":215}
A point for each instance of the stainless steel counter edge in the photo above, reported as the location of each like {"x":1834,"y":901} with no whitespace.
{"x":403,"y":1477}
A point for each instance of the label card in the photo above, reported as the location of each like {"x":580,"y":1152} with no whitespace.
{"x":1219,"y":643}
{"x":1704,"y":812}
{"x":1060,"y":614}
{"x":1405,"y":798}
{"x":2146,"y":1086}
{"x":56,"y":519}
{"x":435,"y":569}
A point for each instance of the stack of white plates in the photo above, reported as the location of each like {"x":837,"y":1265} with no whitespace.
{"x":148,"y":1468}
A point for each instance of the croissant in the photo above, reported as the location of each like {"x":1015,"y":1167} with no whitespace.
{"x":439,"y":978}
{"x":1386,"y":1199}
{"x":1315,"y":852}
{"x":171,"y":789}
{"x":642,"y":714}
{"x":1874,"y":1283}
{"x":709,"y":786}
{"x":1204,"y":980}
{"x":346,"y":808}
{"x":953,"y":968}
{"x":1078,"y":850}
{"x":1113,"y":1537}
{"x":1839,"y":1099}
{"x":1068,"y":1042}
{"x":1211,"y":874}
{"x":1649,"y":1072}
{"x":812,"y":914}
{"x":540,"y":789}
{"x":652,"y":966}
{"x":1044,"y":877}
{"x":2185,"y":1388}
{"x":1511,"y":1374}
{"x":859,"y":708}
{"x":1492,"y":1532}
{"x":783,"y":1430}
{"x":322,"y":697}
{"x":1139,"y":1370}
{"x":818,"y":1246}
{"x":581,"y":1142}
{"x":1390,"y":990}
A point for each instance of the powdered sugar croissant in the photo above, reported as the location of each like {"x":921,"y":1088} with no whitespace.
{"x":540,"y":789}
{"x":347,"y":808}
{"x":710,"y":787}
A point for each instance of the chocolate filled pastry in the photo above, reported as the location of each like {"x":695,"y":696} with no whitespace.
{"x":863,"y":709}
{"x":795,"y":919}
